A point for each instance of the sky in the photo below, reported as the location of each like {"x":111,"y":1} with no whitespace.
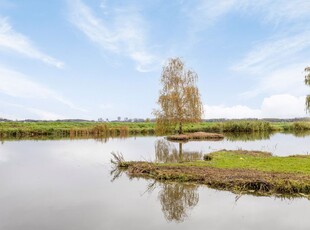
{"x":93,"y":59}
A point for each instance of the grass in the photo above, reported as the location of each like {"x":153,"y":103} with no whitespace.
{"x":73,"y":129}
{"x":243,"y":160}
{"x":237,"y":171}
{"x":77,"y":129}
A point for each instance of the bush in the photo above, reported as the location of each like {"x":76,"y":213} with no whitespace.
{"x":207,"y":157}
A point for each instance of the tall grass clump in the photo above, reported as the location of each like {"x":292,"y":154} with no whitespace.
{"x":246,"y":126}
{"x":301,"y":126}
{"x":118,"y":159}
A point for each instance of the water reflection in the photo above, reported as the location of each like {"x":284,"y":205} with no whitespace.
{"x":249,"y":136}
{"x":177,"y":199}
{"x":103,"y":139}
{"x":66,"y":185}
{"x":165,"y":152}
{"x":301,"y":133}
{"x":253,"y":136}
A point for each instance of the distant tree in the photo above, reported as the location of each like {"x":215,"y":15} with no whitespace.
{"x":119,"y":118}
{"x":179,"y":98}
{"x":307,"y":82}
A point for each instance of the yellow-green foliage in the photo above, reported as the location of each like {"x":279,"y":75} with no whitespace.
{"x":235,"y":160}
{"x":78,"y":129}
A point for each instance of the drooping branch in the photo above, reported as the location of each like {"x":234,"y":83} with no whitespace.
{"x":179,"y":98}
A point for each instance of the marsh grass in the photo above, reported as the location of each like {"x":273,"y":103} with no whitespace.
{"x":80,"y":129}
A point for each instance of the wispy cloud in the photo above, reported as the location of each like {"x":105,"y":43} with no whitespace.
{"x":277,"y":65}
{"x":278,"y":11}
{"x":45,"y":115}
{"x":16,"y":84}
{"x":26,"y":112}
{"x":123,"y":33}
{"x":206,"y":12}
{"x":274,"y":53}
{"x":12,"y":40}
{"x":276,"y":62}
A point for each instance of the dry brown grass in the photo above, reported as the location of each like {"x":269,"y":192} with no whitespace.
{"x":196,"y":136}
{"x":236,"y":180}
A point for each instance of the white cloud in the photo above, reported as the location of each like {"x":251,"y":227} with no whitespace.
{"x":12,"y":40}
{"x":286,"y":80}
{"x":276,"y":106}
{"x":283,"y":106}
{"x":122,"y":33}
{"x":16,"y":84}
{"x":238,"y":111}
{"x":45,"y":115}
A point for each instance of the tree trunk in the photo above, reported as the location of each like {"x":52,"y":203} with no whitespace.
{"x":180,"y":152}
{"x":180,"y":128}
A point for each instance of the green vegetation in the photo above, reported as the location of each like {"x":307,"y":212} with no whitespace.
{"x":73,"y":129}
{"x":96,"y":129}
{"x":257,"y":161}
{"x":237,"y":171}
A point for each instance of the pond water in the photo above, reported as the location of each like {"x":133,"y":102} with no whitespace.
{"x":66,"y":184}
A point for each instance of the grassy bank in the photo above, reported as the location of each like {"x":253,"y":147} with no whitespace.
{"x":77,"y":129}
{"x":73,"y":129}
{"x":237,"y":171}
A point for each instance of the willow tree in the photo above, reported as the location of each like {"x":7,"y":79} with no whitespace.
{"x":307,"y":82}
{"x":179,"y":98}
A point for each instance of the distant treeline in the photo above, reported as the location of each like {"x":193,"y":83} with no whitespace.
{"x":139,"y":120}
{"x":105,"y":129}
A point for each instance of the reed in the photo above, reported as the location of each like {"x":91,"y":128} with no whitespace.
{"x":95,"y":129}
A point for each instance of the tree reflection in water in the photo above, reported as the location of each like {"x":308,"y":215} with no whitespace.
{"x":166,"y":152}
{"x":177,"y":199}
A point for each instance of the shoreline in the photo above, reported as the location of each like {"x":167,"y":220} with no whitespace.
{"x":235,"y":171}
{"x":101,"y":129}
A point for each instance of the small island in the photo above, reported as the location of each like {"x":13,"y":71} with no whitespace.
{"x":196,"y":136}
{"x":238,"y":171}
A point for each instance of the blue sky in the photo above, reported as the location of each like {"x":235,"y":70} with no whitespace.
{"x":102,"y":58}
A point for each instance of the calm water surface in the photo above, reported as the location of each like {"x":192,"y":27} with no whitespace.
{"x":66,"y":184}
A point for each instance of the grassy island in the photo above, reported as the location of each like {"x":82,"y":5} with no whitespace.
{"x":236,"y":171}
